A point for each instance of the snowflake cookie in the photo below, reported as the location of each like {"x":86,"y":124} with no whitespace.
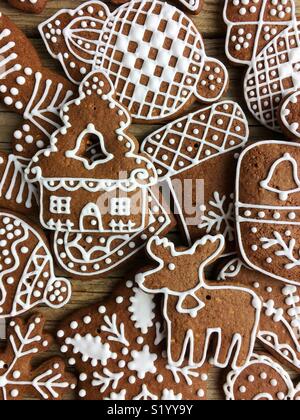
{"x":279,"y":328}
{"x":262,"y":379}
{"x":151,"y":51}
{"x":18,"y":378}
{"x":193,"y":6}
{"x":289,"y":115}
{"x":26,"y":268}
{"x":199,"y":312}
{"x":264,"y":35}
{"x":192,"y":154}
{"x":16,"y":194}
{"x":267,"y":209}
{"x":29,"y":89}
{"x":117,"y":348}
{"x":29,"y":6}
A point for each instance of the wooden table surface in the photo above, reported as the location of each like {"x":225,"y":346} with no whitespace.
{"x":210,"y":24}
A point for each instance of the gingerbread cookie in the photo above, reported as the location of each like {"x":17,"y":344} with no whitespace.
{"x":103,"y":193}
{"x":197,"y":311}
{"x":16,"y":193}
{"x":152,"y":52}
{"x":30,"y":90}
{"x":87,"y":255}
{"x":267,"y":209}
{"x":264,"y":35}
{"x":193,"y":6}
{"x":29,"y":6}
{"x":262,"y":379}
{"x":201,"y":147}
{"x":289,"y":115}
{"x":19,"y":379}
{"x":279,"y":329}
{"x":26,"y":268}
{"x":118,"y":349}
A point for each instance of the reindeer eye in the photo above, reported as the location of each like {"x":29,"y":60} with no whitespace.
{"x":171,"y":267}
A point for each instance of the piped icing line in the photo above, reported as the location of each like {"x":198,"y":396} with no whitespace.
{"x":201,"y":78}
{"x":148,"y":280}
{"x":265,"y":37}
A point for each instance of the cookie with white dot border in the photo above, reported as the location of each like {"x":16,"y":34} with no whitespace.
{"x":29,"y":6}
{"x":192,"y":154}
{"x":20,"y":376}
{"x":16,"y":194}
{"x":27,"y":277}
{"x":264,"y":35}
{"x":267,"y":209}
{"x":192,"y":6}
{"x":262,"y":379}
{"x":151,"y":51}
{"x":30,"y":90}
{"x":279,"y":327}
{"x":118,"y":349}
{"x":289,"y":115}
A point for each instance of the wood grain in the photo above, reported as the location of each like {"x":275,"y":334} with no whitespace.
{"x":212,"y":28}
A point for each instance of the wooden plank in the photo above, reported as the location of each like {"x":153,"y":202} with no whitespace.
{"x":210,"y":24}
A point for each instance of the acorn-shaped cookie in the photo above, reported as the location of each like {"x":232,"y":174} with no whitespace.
{"x":152,"y":52}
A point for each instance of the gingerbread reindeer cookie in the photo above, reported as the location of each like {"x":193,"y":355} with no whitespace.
{"x":197,"y":311}
{"x":192,"y":154}
{"x":27,"y":276}
{"x":30,"y":90}
{"x":264,"y":36}
{"x":19,"y":379}
{"x":289,"y":115}
{"x":16,"y":193}
{"x":118,"y":349}
{"x":151,"y":51}
{"x":267,"y":209}
{"x":279,"y":328}
{"x":262,"y":379}
{"x":29,"y":6}
{"x":193,"y":6}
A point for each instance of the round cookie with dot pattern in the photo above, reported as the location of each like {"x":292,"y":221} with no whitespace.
{"x":262,"y":379}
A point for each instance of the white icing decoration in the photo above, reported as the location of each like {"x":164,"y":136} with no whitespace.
{"x":36,"y":284}
{"x":91,"y":348}
{"x":142,"y":306}
{"x":188,"y":336}
{"x":23,"y":344}
{"x":97,"y":264}
{"x":273,"y":68}
{"x":258,"y":360}
{"x":142,"y":362}
{"x":109,"y":40}
{"x":281,"y":247}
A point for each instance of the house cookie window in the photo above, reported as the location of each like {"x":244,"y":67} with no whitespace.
{"x":60,"y":205}
{"x":120,"y":206}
